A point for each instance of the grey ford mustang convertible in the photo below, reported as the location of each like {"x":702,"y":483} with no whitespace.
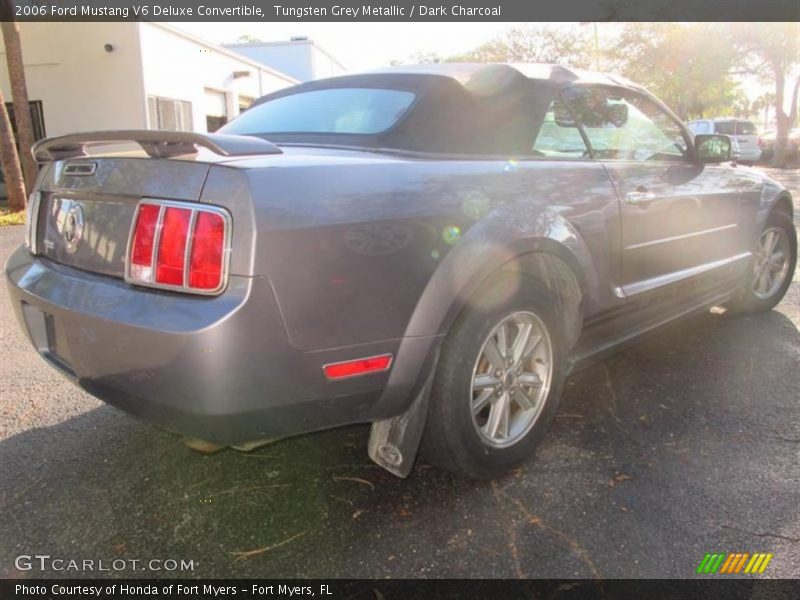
{"x":431,"y":250}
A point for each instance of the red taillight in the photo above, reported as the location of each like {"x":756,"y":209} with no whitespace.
{"x":205,"y":265}
{"x":172,"y":246}
{"x":361,"y":366}
{"x":143,"y":237}
{"x":192,"y":245}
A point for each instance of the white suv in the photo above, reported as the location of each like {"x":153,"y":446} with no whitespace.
{"x":744,"y":132}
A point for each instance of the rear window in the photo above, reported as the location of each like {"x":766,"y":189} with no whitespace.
{"x":364,"y":111}
{"x":745,"y":128}
{"x":725,"y":127}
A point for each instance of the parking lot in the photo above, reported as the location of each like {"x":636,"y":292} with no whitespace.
{"x":685,"y":444}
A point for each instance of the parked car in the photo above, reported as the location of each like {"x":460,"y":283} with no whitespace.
{"x":431,"y":249}
{"x":3,"y":193}
{"x":767,"y":144}
{"x":744,"y":132}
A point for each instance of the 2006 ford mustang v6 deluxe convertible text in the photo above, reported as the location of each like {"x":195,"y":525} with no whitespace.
{"x":428,"y":249}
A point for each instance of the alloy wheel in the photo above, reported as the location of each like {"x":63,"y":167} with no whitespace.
{"x":771,"y":264}
{"x":511,"y":379}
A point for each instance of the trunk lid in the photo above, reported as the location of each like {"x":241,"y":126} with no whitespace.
{"x":87,"y":205}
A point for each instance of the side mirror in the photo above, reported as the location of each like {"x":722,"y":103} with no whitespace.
{"x":562,"y":115}
{"x":618,"y":114}
{"x":713,"y":148}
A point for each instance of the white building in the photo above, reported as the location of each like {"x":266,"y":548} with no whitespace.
{"x":92,"y":76}
{"x":300,"y":58}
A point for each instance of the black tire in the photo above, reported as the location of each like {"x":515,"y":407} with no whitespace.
{"x":451,"y":440}
{"x":747,"y":301}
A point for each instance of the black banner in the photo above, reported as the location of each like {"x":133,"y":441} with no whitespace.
{"x":406,"y":589}
{"x":400,"y":10}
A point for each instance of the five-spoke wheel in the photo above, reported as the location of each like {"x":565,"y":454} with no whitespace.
{"x":771,"y":262}
{"x":774,"y":260}
{"x":499,"y":378}
{"x":511,"y":378}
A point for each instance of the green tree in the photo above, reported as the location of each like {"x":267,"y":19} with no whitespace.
{"x":248,"y":38}
{"x":688,"y":66}
{"x":534,"y":44}
{"x":771,"y":51}
{"x":740,"y":106}
{"x":420,"y":58}
{"x":763,"y":104}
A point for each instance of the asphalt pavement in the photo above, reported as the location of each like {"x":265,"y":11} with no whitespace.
{"x":685,"y":444}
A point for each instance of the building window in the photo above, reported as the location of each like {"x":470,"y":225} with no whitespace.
{"x":170,"y":114}
{"x":37,"y":117}
{"x":216,"y":110}
{"x":245,"y":102}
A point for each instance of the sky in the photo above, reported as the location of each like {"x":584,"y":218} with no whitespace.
{"x":366,"y":46}
{"x":361,"y":46}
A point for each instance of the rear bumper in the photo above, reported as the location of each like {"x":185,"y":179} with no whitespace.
{"x":749,"y":154}
{"x":219,"y":369}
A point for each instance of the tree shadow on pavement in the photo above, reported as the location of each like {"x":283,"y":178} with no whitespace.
{"x":658,"y":449}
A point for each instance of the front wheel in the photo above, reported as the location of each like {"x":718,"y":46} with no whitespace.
{"x":498,"y":382}
{"x":774,"y":261}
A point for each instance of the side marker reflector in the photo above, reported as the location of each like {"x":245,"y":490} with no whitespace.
{"x":361,"y":366}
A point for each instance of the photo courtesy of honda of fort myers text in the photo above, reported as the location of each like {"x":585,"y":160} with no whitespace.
{"x":378,"y":300}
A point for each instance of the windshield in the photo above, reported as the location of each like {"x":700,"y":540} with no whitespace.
{"x":624,"y":125}
{"x":364,"y":111}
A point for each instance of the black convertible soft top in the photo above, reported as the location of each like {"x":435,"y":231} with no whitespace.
{"x":459,"y":108}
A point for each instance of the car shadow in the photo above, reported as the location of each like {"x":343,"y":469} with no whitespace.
{"x":621,"y":460}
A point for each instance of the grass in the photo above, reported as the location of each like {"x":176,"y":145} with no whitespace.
{"x":11,"y":218}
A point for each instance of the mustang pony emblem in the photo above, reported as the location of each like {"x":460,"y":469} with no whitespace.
{"x":72,"y":229}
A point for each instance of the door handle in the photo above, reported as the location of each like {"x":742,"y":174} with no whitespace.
{"x":639,"y":198}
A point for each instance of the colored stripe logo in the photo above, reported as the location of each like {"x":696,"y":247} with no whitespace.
{"x":734,"y":563}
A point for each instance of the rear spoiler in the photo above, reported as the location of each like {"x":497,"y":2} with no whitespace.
{"x":157,"y":144}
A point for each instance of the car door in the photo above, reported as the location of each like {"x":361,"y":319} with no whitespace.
{"x":679,"y":218}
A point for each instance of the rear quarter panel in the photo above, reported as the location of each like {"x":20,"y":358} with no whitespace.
{"x":372,"y":248}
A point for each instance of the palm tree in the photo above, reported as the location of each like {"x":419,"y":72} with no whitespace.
{"x":762,"y":104}
{"x":769,"y":50}
{"x":19,"y":95}
{"x":9,"y":159}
